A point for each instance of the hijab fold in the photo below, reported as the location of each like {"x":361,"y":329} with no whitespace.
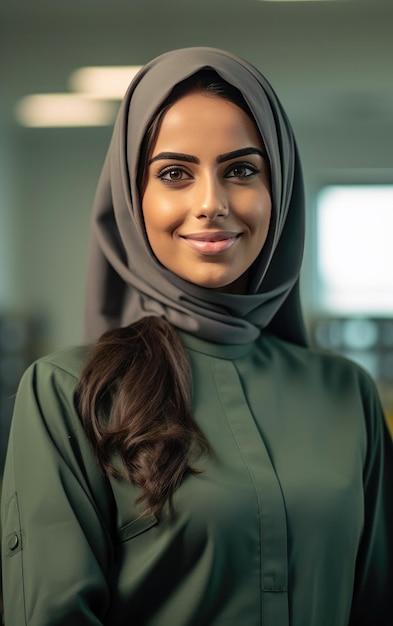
{"x":126,"y":282}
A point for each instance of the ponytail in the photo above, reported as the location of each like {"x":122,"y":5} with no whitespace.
{"x":134,"y":398}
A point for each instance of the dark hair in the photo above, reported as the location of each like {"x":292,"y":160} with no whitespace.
{"x":134,"y":393}
{"x":134,"y":400}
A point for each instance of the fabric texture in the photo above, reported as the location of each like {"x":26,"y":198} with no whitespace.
{"x":126,"y":282}
{"x":289,"y":524}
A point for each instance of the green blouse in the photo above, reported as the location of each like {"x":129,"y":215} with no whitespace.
{"x":289,"y":524}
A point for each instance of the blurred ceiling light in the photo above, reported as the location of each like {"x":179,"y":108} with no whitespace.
{"x":63,"y":110}
{"x":103,"y":82}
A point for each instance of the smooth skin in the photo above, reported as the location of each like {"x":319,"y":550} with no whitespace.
{"x":207,"y":202}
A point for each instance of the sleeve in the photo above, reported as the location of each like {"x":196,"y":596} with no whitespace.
{"x":56,"y":547}
{"x":373,"y":593}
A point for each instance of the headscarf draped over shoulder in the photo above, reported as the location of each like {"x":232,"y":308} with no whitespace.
{"x":126,"y":282}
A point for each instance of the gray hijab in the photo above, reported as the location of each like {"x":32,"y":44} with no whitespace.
{"x":125,"y":280}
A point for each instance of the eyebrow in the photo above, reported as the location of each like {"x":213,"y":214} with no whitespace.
{"x":174,"y":156}
{"x":189,"y":158}
{"x":239,"y":153}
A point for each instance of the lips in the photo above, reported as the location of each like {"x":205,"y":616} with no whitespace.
{"x":211,"y":242}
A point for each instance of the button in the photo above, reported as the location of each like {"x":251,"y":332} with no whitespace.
{"x":13,"y":542}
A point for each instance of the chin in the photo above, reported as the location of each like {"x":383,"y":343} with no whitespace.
{"x":225,"y":284}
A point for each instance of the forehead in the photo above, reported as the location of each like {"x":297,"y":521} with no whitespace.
{"x":197,"y":117}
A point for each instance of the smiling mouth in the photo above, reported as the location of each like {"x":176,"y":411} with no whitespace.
{"x":211,"y":242}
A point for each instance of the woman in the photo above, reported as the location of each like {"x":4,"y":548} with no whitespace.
{"x":198,"y":464}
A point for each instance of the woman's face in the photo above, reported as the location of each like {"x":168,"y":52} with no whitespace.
{"x":207,"y":203}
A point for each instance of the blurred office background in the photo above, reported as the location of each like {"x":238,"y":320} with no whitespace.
{"x":330,"y":62}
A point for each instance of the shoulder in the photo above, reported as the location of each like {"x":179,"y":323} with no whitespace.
{"x":64,"y":365}
{"x":70,"y":361}
{"x":333,"y":384}
{"x":331,"y":369}
{"x":45,"y":409}
{"x":50,"y":382}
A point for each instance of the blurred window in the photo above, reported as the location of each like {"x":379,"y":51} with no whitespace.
{"x":355,"y":249}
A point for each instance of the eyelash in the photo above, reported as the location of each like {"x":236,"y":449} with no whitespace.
{"x":180,"y":169}
{"x":247,"y":166}
{"x":168,"y":170}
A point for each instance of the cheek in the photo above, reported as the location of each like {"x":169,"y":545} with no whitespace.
{"x":258,"y":213}
{"x":160,"y":213}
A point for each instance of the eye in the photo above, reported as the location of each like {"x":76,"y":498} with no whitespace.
{"x":241,"y":171}
{"x":173,"y":174}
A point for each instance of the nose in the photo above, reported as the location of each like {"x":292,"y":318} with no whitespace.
{"x":210,"y":200}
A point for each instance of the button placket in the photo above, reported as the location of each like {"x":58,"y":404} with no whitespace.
{"x":273,"y":527}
